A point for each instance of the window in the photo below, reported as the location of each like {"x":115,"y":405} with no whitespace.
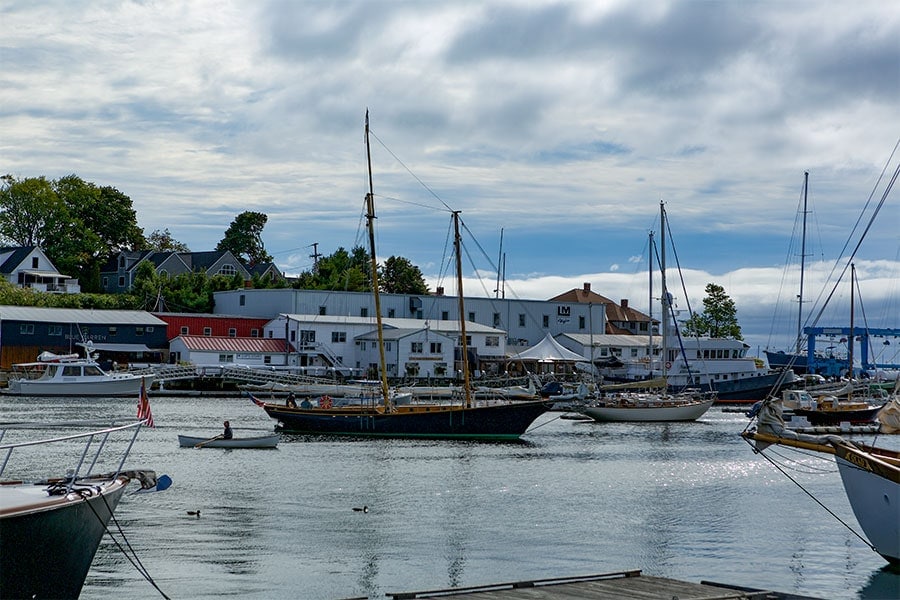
{"x":445,"y":316}
{"x":581,"y":322}
{"x":322,"y":310}
{"x":435,"y":347}
{"x":138,"y":331}
{"x":364,"y":312}
{"x":185,"y":330}
{"x":388,"y":346}
{"x":521,"y":320}
{"x":71,"y":371}
{"x":105,"y":282}
{"x":255,"y":333}
{"x":226,"y":358}
{"x":338,"y":337}
{"x":546,"y":321}
{"x":468,"y":340}
{"x":35,"y":262}
{"x":121,"y":261}
{"x":54,"y":330}
{"x":113,"y":331}
{"x":227,"y":270}
{"x":267,"y":360}
{"x":307,"y":336}
{"x":26,"y":328}
{"x":472,"y":316}
{"x":496,"y":319}
{"x":232,"y":332}
{"x":242,"y":300}
{"x":492,"y":341}
{"x":207,"y":331}
{"x":415,"y":348}
{"x":391,"y":313}
{"x":121,"y":281}
{"x":634,"y":353}
{"x":149,"y":329}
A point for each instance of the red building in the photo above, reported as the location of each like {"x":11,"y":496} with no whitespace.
{"x":209,"y":325}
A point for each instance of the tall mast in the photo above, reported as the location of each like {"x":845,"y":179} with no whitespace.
{"x":664,"y":303}
{"x":499,"y":262}
{"x":650,"y":311}
{"x":850,"y":339}
{"x":370,"y":224}
{"x":802,"y":261}
{"x":462,"y":310}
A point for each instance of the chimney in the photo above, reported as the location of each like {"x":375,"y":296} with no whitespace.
{"x":624,"y":302}
{"x":439,"y":291}
{"x":587,"y":288}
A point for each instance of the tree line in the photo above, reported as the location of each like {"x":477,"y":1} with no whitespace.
{"x":80,"y":226}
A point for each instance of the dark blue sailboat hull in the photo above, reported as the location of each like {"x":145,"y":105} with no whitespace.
{"x":496,"y":422}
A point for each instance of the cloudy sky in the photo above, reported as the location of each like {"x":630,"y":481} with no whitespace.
{"x":561,"y":124}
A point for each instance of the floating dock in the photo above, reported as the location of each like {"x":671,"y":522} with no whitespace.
{"x":623,"y":585}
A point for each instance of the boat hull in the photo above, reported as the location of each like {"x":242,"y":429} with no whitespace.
{"x":130,"y":386}
{"x":266,"y":441}
{"x":819,"y":418}
{"x":873,"y":490}
{"x":495,"y":422}
{"x":73,"y":526}
{"x":678,"y":412}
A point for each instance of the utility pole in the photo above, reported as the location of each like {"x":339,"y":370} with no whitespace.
{"x":315,"y":256}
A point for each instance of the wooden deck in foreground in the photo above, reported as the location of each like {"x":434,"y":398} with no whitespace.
{"x":624,"y":585}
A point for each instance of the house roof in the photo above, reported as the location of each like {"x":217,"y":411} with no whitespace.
{"x":234,"y":344}
{"x":14,"y":255}
{"x":78,"y":315}
{"x":615,"y":311}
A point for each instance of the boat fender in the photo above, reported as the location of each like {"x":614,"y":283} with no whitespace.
{"x":325,"y":401}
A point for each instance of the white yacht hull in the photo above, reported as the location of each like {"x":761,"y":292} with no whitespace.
{"x":687,"y":411}
{"x":108,"y":386}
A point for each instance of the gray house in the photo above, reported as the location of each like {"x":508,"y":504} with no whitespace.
{"x":117,"y":275}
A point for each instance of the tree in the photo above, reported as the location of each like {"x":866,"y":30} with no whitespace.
{"x":243,"y":238}
{"x":719,"y":316}
{"x":347,"y":271}
{"x":162,"y":241}
{"x":30,"y":211}
{"x":400,"y":276}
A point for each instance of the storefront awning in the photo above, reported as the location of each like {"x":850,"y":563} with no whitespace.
{"x":118,"y":347}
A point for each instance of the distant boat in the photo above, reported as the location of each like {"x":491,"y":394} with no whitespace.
{"x":871,"y":475}
{"x":265,"y":441}
{"x":831,"y":408}
{"x":661,"y":404}
{"x":498,"y":420}
{"x":71,"y":375}
{"x":50,"y":528}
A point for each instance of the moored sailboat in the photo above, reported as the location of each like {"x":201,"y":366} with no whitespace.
{"x":661,"y":404}
{"x":499,"y":420}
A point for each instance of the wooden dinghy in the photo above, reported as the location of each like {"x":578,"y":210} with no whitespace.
{"x":265,"y":441}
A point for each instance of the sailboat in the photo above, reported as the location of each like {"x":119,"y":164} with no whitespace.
{"x":659,"y":405}
{"x":870,"y":474}
{"x":842,"y":405}
{"x":494,"y":421}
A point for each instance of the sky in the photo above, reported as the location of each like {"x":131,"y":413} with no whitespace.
{"x":556,"y":129}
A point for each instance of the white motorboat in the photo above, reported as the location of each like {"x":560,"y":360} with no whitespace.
{"x":71,"y":375}
{"x":51,"y":527}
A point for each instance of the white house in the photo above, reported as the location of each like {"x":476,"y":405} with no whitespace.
{"x":29,"y":267}
{"x":222,"y":351}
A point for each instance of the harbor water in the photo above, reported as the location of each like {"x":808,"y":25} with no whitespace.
{"x":689,"y":501}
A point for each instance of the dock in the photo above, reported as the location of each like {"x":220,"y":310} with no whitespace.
{"x":622,"y":585}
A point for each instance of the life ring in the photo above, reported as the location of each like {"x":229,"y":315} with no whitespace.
{"x":325,"y":402}
{"x":668,"y":365}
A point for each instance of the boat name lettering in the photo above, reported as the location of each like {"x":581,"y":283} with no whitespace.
{"x":859,"y":461}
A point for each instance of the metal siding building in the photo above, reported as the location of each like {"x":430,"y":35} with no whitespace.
{"x":213,"y":325}
{"x":26,"y":331}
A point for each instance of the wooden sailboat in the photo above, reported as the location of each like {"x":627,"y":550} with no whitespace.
{"x":658,"y":405}
{"x":466,"y":420}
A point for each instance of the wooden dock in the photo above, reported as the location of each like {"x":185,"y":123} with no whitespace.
{"x":623,"y":585}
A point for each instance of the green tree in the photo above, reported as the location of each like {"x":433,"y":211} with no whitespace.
{"x":347,"y":271}
{"x":400,"y":276}
{"x":30,"y":211}
{"x":162,"y":241}
{"x":719,"y":316}
{"x":243,"y":238}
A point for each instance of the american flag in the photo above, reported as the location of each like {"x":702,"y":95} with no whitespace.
{"x":256,"y":400}
{"x":144,"y":413}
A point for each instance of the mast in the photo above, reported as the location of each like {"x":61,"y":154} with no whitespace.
{"x":850,"y":339}
{"x":462,"y":310}
{"x":499,"y":262}
{"x":802,"y":262}
{"x":650,"y":310}
{"x":664,"y":303}
{"x":370,"y":225}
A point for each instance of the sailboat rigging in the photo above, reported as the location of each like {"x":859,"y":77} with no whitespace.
{"x":495,"y":421}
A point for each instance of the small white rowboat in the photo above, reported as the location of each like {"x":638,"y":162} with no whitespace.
{"x":265,"y":441}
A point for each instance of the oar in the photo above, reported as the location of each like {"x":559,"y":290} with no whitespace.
{"x":204,"y":442}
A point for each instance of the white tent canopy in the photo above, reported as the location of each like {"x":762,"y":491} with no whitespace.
{"x":548,"y":350}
